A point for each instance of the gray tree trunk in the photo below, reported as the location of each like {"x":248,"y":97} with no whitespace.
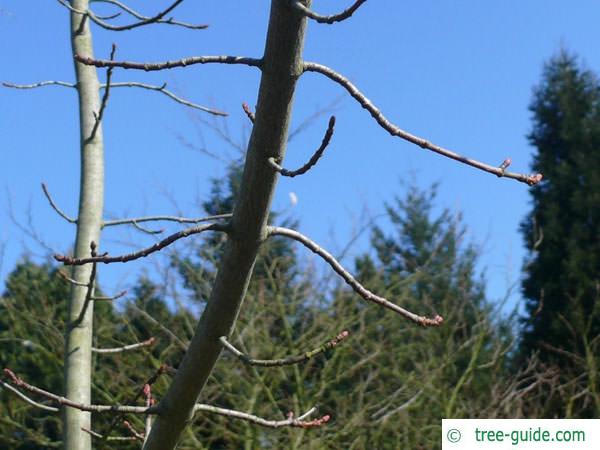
{"x":78,"y":347}
{"x":281,"y":68}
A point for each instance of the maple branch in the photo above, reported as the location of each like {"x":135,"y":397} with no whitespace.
{"x":284,"y":361}
{"x":394,"y":130}
{"x":313,"y":159}
{"x":350,"y":280}
{"x":146,"y":343}
{"x":253,"y":62}
{"x":69,"y":261}
{"x":345,"y":14}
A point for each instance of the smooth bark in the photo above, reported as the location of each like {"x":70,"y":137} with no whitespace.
{"x":78,"y":346}
{"x":281,"y":68}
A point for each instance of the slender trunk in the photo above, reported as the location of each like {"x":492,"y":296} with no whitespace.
{"x":78,"y":350}
{"x":281,"y":68}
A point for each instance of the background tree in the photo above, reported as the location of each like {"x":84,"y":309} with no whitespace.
{"x":562,"y":284}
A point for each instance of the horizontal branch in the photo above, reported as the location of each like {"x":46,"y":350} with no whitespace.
{"x":394,"y":130}
{"x":138,"y":220}
{"x":313,"y":159}
{"x":38,"y":84}
{"x":284,"y":361}
{"x":27,"y":399}
{"x":299,"y":422}
{"x":55,"y":206}
{"x":68,"y":279}
{"x":345,"y":14}
{"x":253,"y":62}
{"x":106,"y":259}
{"x":146,"y":343}
{"x":109,"y":438}
{"x":102,"y":298}
{"x":169,"y":21}
{"x":350,"y":280}
{"x":158,"y":18}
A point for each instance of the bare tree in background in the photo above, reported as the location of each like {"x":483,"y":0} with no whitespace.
{"x":246,"y":230}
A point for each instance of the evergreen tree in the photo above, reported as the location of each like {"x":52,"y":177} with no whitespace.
{"x":562,"y":279}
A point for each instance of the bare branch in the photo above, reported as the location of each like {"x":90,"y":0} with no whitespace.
{"x":55,"y":207}
{"x":289,"y":422}
{"x":299,"y":422}
{"x":38,"y":84}
{"x":133,"y":431}
{"x":109,"y":438}
{"x":394,"y":130}
{"x":350,"y":280}
{"x":248,"y":112}
{"x":66,"y":402}
{"x":138,"y":220}
{"x":284,"y":361}
{"x":162,"y":89}
{"x":173,"y":336}
{"x":99,"y":298}
{"x":67,"y":278}
{"x":313,"y":159}
{"x":104,"y":97}
{"x":146,"y":343}
{"x":69,"y":261}
{"x":137,"y":15}
{"x":27,"y":399}
{"x":345,"y":14}
{"x":253,"y":62}
{"x":158,"y":18}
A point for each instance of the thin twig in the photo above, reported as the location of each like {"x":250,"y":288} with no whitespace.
{"x":133,"y":431}
{"x":104,"y":97}
{"x":158,"y":18}
{"x":102,"y":298}
{"x":183,"y":345}
{"x":345,"y":14}
{"x":67,"y":278}
{"x":394,"y":130}
{"x":169,"y":21}
{"x":138,"y":220}
{"x":27,"y":399}
{"x":248,"y":112}
{"x":350,"y":280}
{"x":69,"y":261}
{"x":38,"y":84}
{"x":55,"y":207}
{"x":253,"y":62}
{"x":146,"y":343}
{"x":313,"y":159}
{"x":108,"y":438}
{"x":284,"y":361}
{"x":291,"y":421}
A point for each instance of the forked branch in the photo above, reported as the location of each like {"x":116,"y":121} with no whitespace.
{"x":144,"y":20}
{"x":106,"y":259}
{"x":290,"y":421}
{"x":313,"y":159}
{"x":394,"y":130}
{"x":284,"y":361}
{"x":351,"y":281}
{"x":345,"y":14}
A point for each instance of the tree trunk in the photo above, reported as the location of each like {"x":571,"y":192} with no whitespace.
{"x":78,"y":347}
{"x":281,"y":68}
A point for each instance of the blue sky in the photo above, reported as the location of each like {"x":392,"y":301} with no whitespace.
{"x":459,"y":73}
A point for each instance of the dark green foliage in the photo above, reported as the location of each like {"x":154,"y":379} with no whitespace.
{"x":562,"y":280}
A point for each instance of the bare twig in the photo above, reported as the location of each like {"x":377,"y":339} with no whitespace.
{"x":137,"y":15}
{"x":248,"y":112}
{"x":394,"y":130}
{"x":105,"y":96}
{"x":253,"y":62}
{"x":55,"y":207}
{"x":345,"y":14}
{"x":146,"y":343}
{"x":38,"y":84}
{"x":109,"y":438}
{"x":183,"y":345}
{"x":69,"y":261}
{"x":27,"y":399}
{"x":291,"y":421}
{"x":284,"y":361}
{"x":350,"y":280}
{"x":158,"y":18}
{"x":67,"y":278}
{"x":133,"y":431}
{"x":101,"y":298}
{"x":313,"y":159}
{"x":138,"y":220}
